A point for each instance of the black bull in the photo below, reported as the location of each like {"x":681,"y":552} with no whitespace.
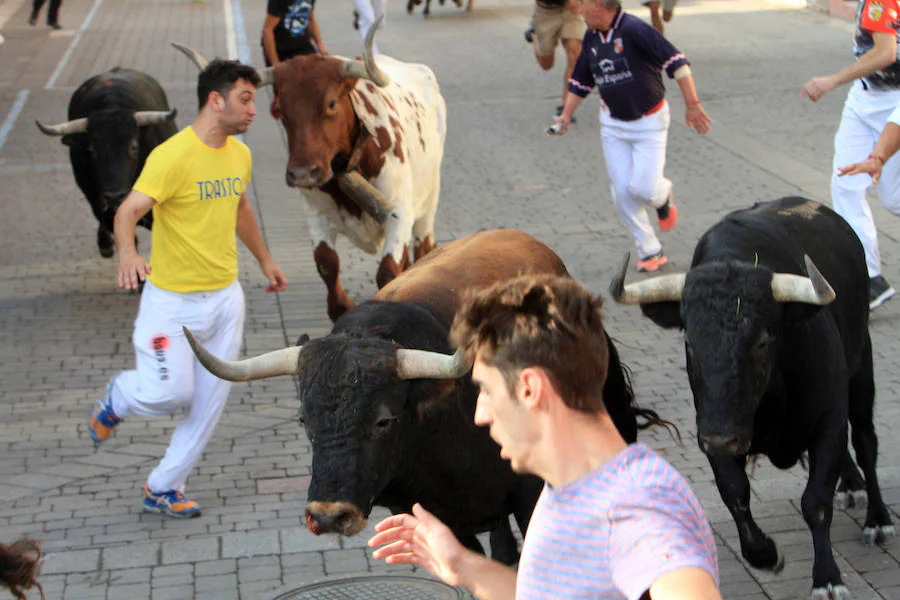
{"x":115,"y":119}
{"x":778,"y":362}
{"x":391,"y":426}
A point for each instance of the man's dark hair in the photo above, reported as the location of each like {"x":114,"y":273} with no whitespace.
{"x":221,"y":75}
{"x":542,"y":321}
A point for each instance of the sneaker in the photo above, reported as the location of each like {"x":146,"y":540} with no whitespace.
{"x":32,"y":20}
{"x":667,"y":214}
{"x":652,"y":263}
{"x":172,"y":503}
{"x":103,"y":420}
{"x":879,"y":291}
{"x":559,"y":110}
{"x":529,"y":35}
{"x":55,"y":26}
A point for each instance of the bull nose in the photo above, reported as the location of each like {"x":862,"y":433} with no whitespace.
{"x":338,"y":522}
{"x":727,"y":444}
{"x":113,"y":199}
{"x":305,"y":177}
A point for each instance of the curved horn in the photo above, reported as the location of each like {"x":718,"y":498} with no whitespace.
{"x":814,"y":289}
{"x":367,"y":69}
{"x":366,"y":196}
{"x":192,"y":54}
{"x":271,"y":364}
{"x":266,"y":76}
{"x":152,"y":117}
{"x":666,"y":288}
{"x":422,"y":364}
{"x":76,"y":126}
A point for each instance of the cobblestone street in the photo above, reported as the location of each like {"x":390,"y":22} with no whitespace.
{"x":65,"y":328}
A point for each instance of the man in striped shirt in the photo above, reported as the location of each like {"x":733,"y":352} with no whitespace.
{"x":613,"y":521}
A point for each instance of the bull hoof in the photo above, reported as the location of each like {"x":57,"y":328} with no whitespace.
{"x":831,"y":592}
{"x":779,"y":561}
{"x":302,"y":339}
{"x":107,"y":252}
{"x":769,"y":558}
{"x":882,"y":534}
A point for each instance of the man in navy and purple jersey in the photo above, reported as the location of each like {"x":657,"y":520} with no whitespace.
{"x":873,"y":96}
{"x":624,"y":57}
{"x":614,"y":520}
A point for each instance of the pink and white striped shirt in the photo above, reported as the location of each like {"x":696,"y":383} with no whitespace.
{"x":614,"y":531}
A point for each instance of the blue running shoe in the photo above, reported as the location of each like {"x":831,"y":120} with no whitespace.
{"x":172,"y":503}
{"x":103,"y":420}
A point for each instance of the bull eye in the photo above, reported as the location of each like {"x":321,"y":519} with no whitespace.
{"x":385,"y":423}
{"x":332,"y":104}
{"x":302,"y":420}
{"x":133,"y":148}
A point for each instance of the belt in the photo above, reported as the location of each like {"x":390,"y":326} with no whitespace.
{"x":656,"y":108}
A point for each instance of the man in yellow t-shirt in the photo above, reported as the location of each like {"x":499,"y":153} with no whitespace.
{"x":195,"y":184}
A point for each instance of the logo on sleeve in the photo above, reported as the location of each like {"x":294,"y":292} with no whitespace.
{"x":876,"y":10}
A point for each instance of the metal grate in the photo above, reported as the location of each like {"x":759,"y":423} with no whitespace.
{"x":377,"y":587}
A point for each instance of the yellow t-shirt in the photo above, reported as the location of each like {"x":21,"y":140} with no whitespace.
{"x":197,"y":189}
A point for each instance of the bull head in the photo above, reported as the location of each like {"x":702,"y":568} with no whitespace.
{"x":733,"y":330}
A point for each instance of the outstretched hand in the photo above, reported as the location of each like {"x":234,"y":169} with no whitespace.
{"x":420,"y":539}
{"x":871,"y":165}
{"x":817,"y":87}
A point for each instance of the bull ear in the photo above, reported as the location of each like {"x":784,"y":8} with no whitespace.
{"x":665,"y":314}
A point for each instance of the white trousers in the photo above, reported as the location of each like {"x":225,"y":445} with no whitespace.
{"x":864,"y":116}
{"x":635,"y":154}
{"x":168,"y":376}
{"x":369,"y":11}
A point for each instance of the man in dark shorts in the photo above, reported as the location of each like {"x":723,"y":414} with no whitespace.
{"x":290,"y":29}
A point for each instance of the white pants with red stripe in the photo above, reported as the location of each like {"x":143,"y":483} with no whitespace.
{"x":168,"y":377}
{"x":635,"y":154}
{"x":865,"y":114}
{"x":369,"y":11}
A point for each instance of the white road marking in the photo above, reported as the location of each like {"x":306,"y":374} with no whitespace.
{"x":14,"y":113}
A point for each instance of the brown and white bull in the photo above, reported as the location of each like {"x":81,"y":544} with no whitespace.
{"x":365,"y":143}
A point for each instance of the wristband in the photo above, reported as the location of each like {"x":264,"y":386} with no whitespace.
{"x":693,"y":104}
{"x":878,"y":158}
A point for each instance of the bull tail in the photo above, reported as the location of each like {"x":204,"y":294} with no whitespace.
{"x":19,"y":565}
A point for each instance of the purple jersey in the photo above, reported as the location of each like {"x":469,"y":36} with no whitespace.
{"x":614,"y":531}
{"x":625,"y":63}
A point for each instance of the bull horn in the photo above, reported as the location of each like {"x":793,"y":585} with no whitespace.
{"x":271,"y":364}
{"x":266,"y":76}
{"x":153,"y":117}
{"x":367,"y":69}
{"x":666,"y":288}
{"x":422,"y":364}
{"x":366,"y":196}
{"x":814,"y":289}
{"x":75,"y":126}
{"x":192,"y":54}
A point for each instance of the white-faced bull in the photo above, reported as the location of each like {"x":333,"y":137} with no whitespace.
{"x":115,"y":119}
{"x":775,"y":316}
{"x":365,"y":143}
{"x":389,"y":408}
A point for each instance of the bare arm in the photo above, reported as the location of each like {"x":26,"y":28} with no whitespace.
{"x":694,"y":115}
{"x":132,"y":267}
{"x":882,"y":54}
{"x":689,"y":583}
{"x":269,"y":38}
{"x":251,"y":236}
{"x":421,"y":539}
{"x":315,"y":34}
{"x":888,"y":144}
